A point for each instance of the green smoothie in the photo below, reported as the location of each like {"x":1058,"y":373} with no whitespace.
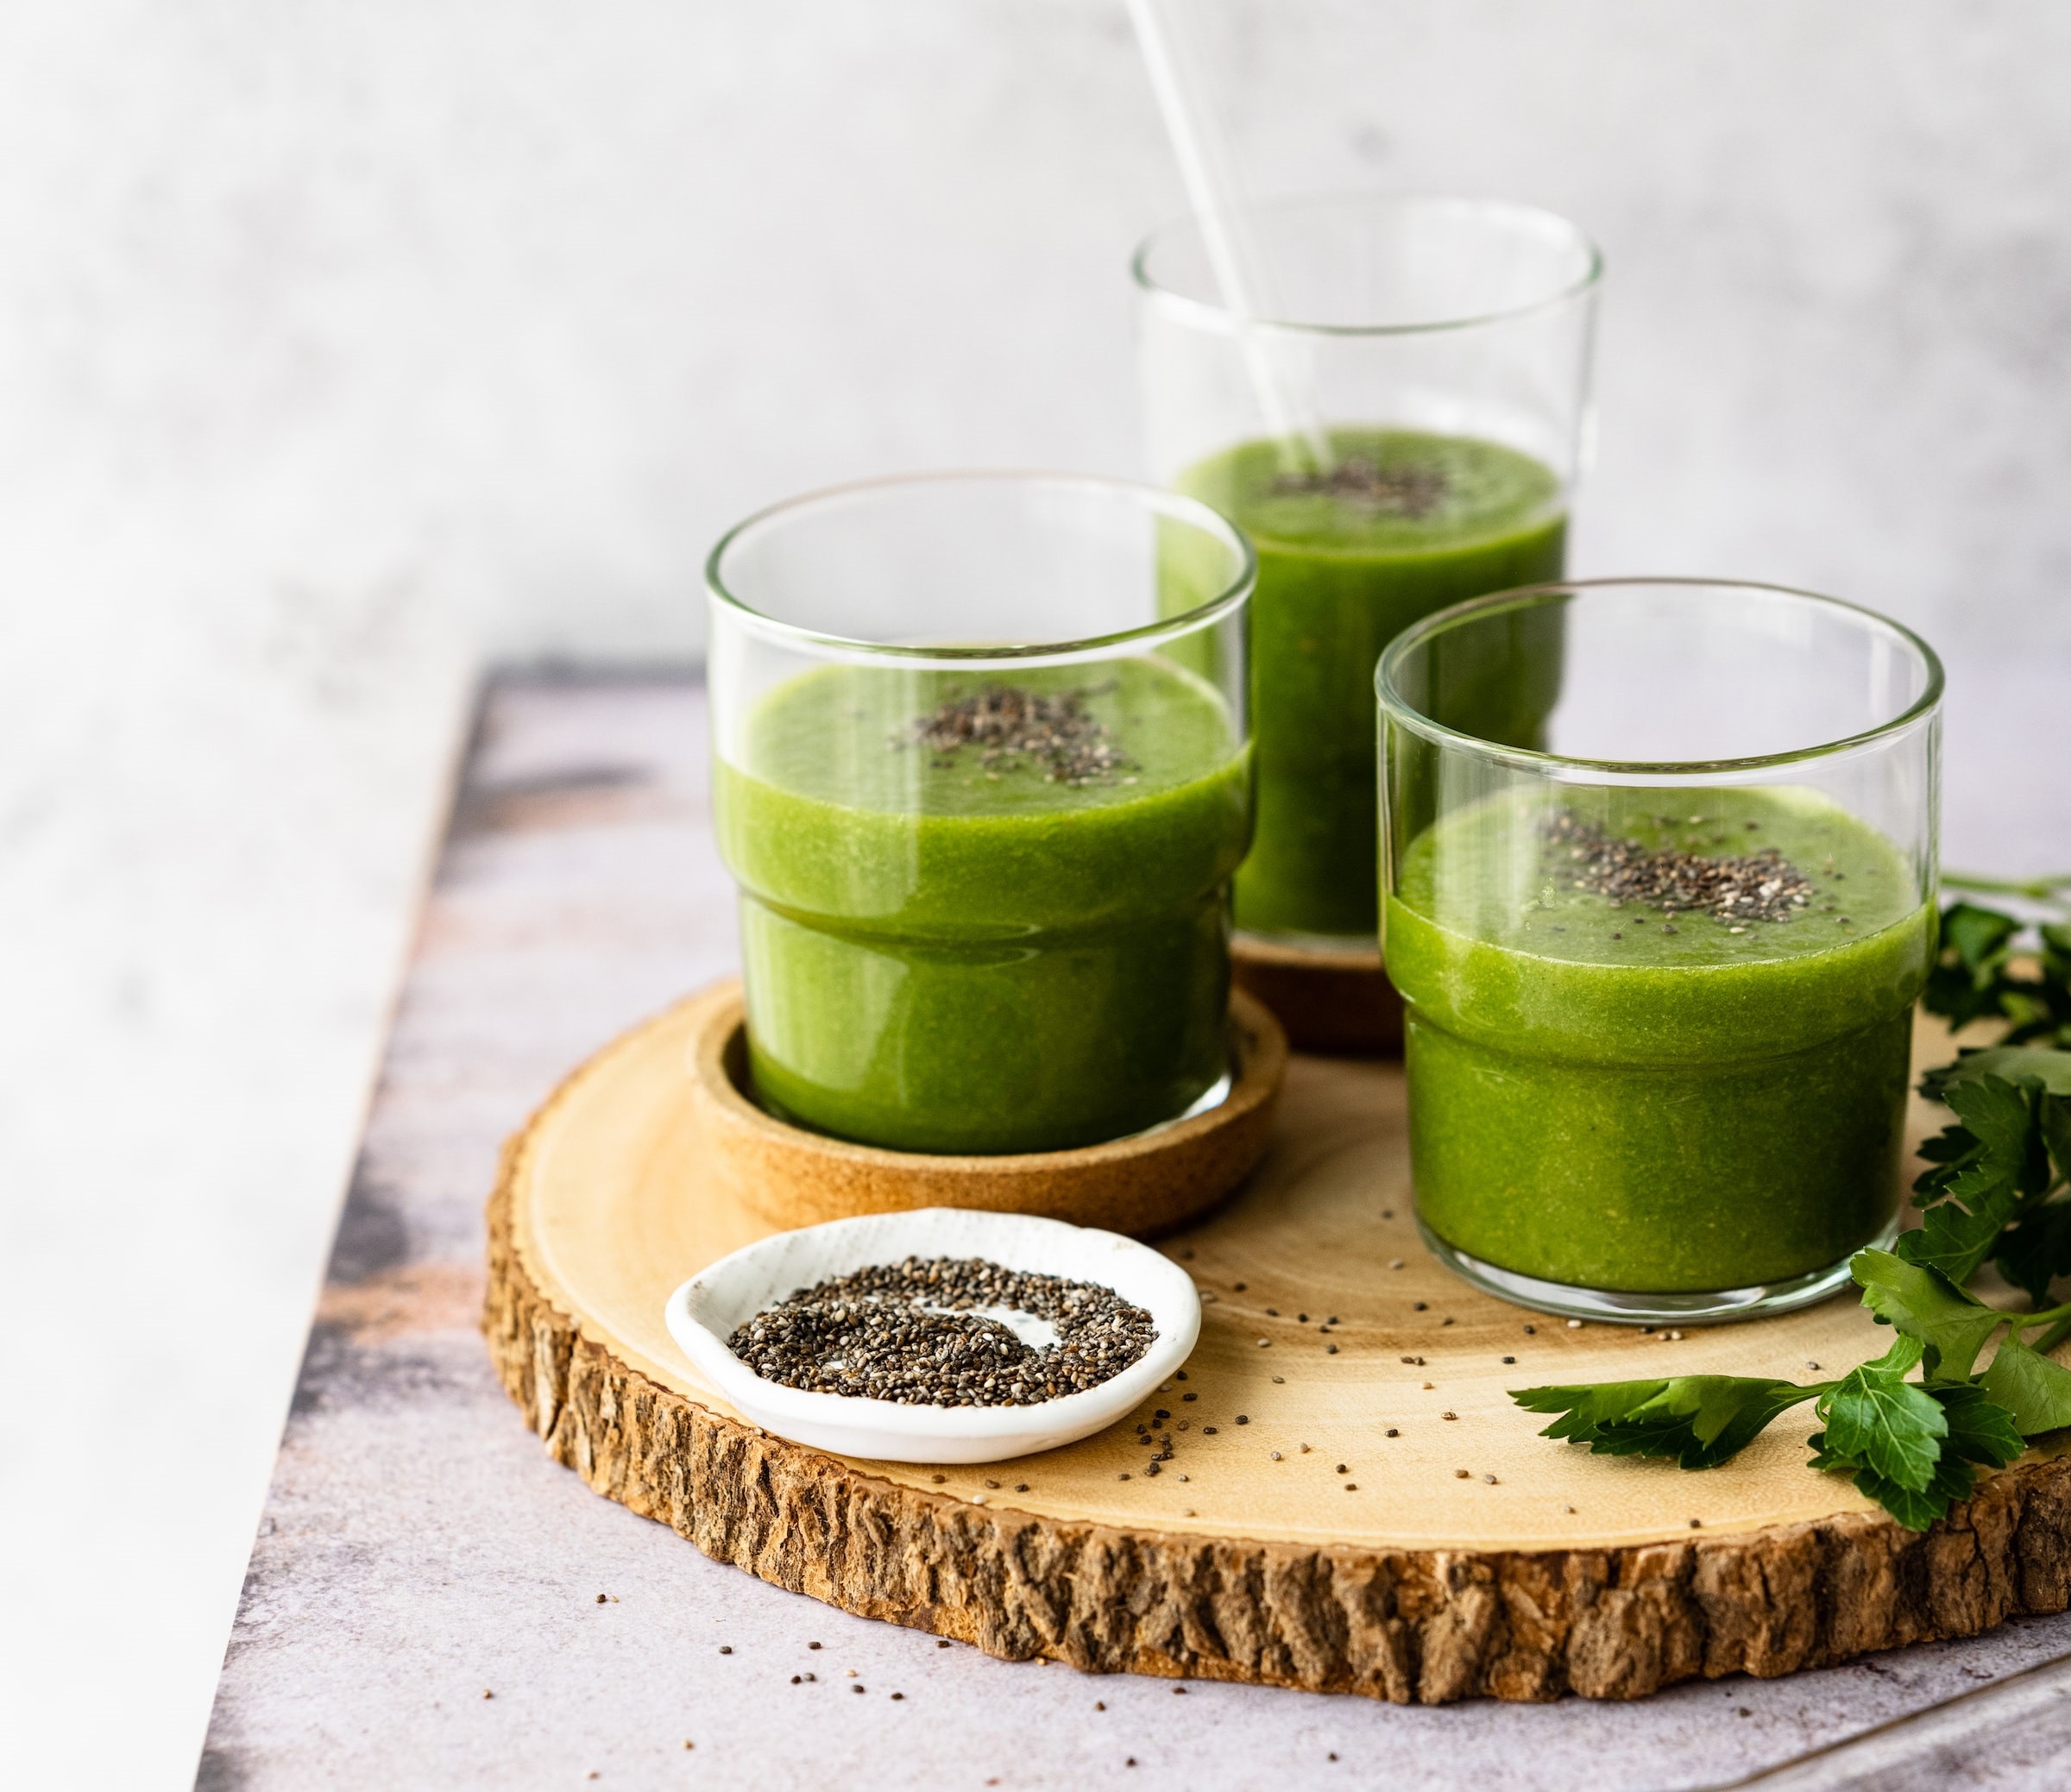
{"x":1407,"y":524}
{"x":962,"y":934}
{"x":1657,"y":1040}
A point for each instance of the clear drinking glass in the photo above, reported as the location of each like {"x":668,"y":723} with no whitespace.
{"x":1445,"y":344}
{"x":1658,"y":952}
{"x":982,"y":773}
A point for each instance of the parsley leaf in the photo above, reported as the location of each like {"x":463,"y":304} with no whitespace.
{"x":1974,"y":1428}
{"x":1982,"y":1171}
{"x":1921,"y":1301}
{"x":2036,"y":1250}
{"x":2049,"y":1066}
{"x":1976,"y":943}
{"x":1877,"y":1418}
{"x":2035,"y":1391}
{"x":1980,"y":1428}
{"x":1917,"y":1508}
{"x":1974,"y":976}
{"x":1700,"y":1420}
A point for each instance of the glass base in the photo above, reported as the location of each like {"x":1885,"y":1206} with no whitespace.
{"x":1712,"y":1307}
{"x":1210,"y":1099}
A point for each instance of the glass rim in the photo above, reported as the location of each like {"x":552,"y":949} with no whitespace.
{"x":1586,"y":283}
{"x":1398,"y":707}
{"x":1152,"y":500}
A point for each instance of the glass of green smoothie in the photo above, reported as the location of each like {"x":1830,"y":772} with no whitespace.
{"x":1438,"y":350}
{"x":1658,"y":946}
{"x":982,"y":773}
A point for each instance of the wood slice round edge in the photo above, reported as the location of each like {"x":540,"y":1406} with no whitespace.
{"x":1338,"y":1003}
{"x":1405,"y":1625}
{"x":1145,"y":1185}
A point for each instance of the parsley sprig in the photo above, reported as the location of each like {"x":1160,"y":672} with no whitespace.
{"x":1995,"y":1191}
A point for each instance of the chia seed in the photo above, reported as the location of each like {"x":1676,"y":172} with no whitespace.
{"x":1402,"y":491}
{"x":908,"y":1332}
{"x":1758,"y":886}
{"x":1011,"y":727}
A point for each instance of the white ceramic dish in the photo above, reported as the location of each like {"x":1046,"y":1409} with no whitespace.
{"x":702,"y":1313}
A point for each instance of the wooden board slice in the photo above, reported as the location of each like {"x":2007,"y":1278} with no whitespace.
{"x":1453,"y":1553}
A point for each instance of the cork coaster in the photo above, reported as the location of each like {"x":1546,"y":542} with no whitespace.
{"x":1144,"y":1185}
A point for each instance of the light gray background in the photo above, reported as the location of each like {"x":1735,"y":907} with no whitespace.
{"x":343,"y":340}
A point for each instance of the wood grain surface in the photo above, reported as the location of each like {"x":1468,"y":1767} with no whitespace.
{"x":1351,"y":1502}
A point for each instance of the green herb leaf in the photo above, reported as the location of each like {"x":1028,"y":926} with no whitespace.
{"x":2033,"y":1252}
{"x":1976,"y":1431}
{"x":2049,"y":1066}
{"x":1700,"y":1420}
{"x":1974,"y":979}
{"x":2034,"y":1390}
{"x":1980,"y":1428}
{"x":2004,"y":1117}
{"x":1976,"y":943}
{"x":1922,"y":1304}
{"x":1918,"y":1508}
{"x":1984,"y":1169}
{"x":1877,"y":1418}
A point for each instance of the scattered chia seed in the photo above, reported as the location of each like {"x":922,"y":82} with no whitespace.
{"x":1012,"y":727}
{"x":1760,"y":886}
{"x":1403,"y":491}
{"x":906,"y":1332}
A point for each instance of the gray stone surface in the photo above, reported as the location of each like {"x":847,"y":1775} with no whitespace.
{"x":418,"y":1549}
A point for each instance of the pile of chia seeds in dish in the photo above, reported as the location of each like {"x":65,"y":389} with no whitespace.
{"x":908,"y":1332}
{"x":1405,"y":491}
{"x":1756,"y":886}
{"x":1011,"y":728}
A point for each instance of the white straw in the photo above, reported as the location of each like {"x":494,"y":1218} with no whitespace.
{"x":1205,"y":166}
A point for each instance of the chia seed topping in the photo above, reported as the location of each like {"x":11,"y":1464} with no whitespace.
{"x":1756,"y":886}
{"x":1011,"y":728}
{"x":908,"y":1333}
{"x":1410,"y":490}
